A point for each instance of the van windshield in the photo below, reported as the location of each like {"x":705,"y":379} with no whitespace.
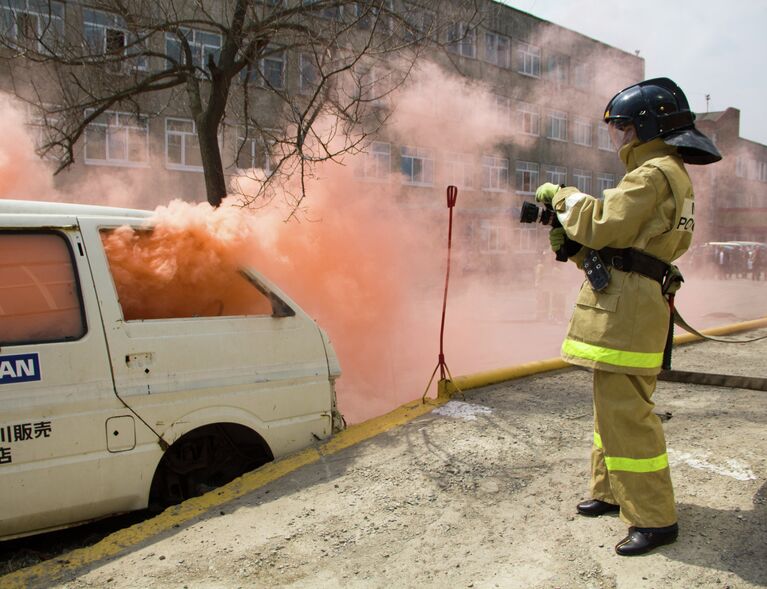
{"x":163,"y":276}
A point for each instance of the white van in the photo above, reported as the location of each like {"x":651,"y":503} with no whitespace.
{"x":102,"y":413}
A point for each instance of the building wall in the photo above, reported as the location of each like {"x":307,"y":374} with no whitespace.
{"x":731,"y":195}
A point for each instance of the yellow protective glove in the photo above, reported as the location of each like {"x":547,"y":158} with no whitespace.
{"x":557,"y":238}
{"x":545,"y":192}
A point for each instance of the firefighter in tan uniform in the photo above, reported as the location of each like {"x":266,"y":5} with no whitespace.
{"x":620,"y":324}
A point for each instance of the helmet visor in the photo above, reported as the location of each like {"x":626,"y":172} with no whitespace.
{"x":620,"y":132}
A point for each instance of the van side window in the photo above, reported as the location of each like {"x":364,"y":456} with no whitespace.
{"x":160,"y":276}
{"x":39,"y":293}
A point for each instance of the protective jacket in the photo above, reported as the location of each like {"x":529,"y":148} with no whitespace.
{"x":623,"y":328}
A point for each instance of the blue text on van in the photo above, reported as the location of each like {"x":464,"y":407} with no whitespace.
{"x":19,"y":368}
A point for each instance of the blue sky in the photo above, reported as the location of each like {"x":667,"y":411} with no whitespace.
{"x":705,"y":46}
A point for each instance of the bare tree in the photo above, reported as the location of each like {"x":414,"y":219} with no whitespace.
{"x":221,"y":63}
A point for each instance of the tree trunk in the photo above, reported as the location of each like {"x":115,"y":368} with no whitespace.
{"x":213,"y":169}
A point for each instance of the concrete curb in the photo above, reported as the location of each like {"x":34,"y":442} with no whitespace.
{"x":48,"y":572}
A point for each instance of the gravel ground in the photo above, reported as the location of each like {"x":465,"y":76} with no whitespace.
{"x":482,"y":493}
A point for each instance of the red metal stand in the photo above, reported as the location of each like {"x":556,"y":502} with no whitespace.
{"x":444,"y":371}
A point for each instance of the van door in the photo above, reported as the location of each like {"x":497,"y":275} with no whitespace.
{"x":267,"y":371}
{"x":56,"y":388}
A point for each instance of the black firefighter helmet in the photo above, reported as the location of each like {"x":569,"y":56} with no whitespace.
{"x":659,"y":108}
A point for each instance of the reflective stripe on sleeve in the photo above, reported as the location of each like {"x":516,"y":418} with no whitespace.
{"x":632,"y":464}
{"x":610,"y":356}
{"x":570,"y":202}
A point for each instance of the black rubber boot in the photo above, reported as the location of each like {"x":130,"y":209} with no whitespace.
{"x":642,"y":540}
{"x":595,"y":507}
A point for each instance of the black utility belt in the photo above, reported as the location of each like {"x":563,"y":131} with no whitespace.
{"x":597,"y":262}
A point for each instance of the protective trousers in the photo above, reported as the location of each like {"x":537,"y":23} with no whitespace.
{"x":629,"y":464}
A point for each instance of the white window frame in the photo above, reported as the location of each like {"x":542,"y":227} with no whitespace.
{"x":529,"y":119}
{"x":495,"y":173}
{"x":603,"y":138}
{"x":493,"y":237}
{"x":582,"y":180}
{"x":555,"y":174}
{"x":420,"y":157}
{"x":275,"y":56}
{"x":762,"y":171}
{"x":48,"y":19}
{"x":503,"y":111}
{"x":529,"y":60}
{"x":39,"y":129}
{"x":365,"y":21}
{"x":307,"y":64}
{"x":556,"y":69}
{"x":200,"y":49}
{"x":102,"y":23}
{"x":497,"y":49}
{"x":556,"y":127}
{"x":462,"y":39}
{"x":527,"y":174}
{"x":257,"y":150}
{"x":118,"y":123}
{"x":582,"y":132}
{"x":582,"y":76}
{"x":459,"y":170}
{"x":741,"y":167}
{"x":375,"y":162}
{"x":183,"y":166}
{"x":605,"y":181}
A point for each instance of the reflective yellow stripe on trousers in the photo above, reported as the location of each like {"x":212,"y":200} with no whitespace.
{"x":610,"y":356}
{"x":632,"y":464}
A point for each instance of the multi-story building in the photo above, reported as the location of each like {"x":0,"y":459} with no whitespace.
{"x":549,"y":86}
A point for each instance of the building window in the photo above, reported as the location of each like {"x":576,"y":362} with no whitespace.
{"x":581,"y":76}
{"x":557,"y":125}
{"x":182,"y":147}
{"x":417,"y":165}
{"x":118,"y":139}
{"x":203,"y":45}
{"x":270,"y":69}
{"x":527,"y":177}
{"x":495,"y":173}
{"x":419,"y":22}
{"x":308,"y":74}
{"x":375,"y":163}
{"x":368,"y":15}
{"x":33,"y":24}
{"x":605,"y":182}
{"x":492,"y":237}
{"x":529,"y":119}
{"x":740,"y":167}
{"x":375,"y":84}
{"x":332,"y":11}
{"x":529,"y":60}
{"x":462,"y":40}
{"x":603,"y":138}
{"x":105,"y":34}
{"x":557,"y":69}
{"x":459,"y":170}
{"x":762,"y":176}
{"x":582,"y":132}
{"x":253,"y":152}
{"x":582,"y":180}
{"x":498,"y":49}
{"x":503,"y":111}
{"x":42,"y":129}
{"x":556,"y":175}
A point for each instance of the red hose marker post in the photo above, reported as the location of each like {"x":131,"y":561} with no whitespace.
{"x":444,"y":371}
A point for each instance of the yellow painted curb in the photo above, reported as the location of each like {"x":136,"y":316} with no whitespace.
{"x":52,"y":570}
